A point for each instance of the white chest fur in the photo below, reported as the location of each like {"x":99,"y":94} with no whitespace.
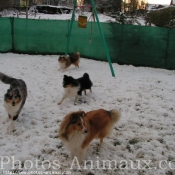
{"x":75,"y":141}
{"x":12,"y":110}
{"x":62,"y":65}
{"x":72,"y":91}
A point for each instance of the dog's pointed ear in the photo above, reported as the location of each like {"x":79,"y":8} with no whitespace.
{"x":83,"y":114}
{"x":73,"y":118}
{"x":76,"y":116}
{"x":70,"y":77}
{"x":73,"y":81}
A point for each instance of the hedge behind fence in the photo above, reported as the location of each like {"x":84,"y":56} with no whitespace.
{"x":164,"y":17}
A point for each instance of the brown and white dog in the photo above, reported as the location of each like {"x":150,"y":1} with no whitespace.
{"x":66,"y":61}
{"x":78,"y":129}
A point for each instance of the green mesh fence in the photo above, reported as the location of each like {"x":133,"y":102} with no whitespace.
{"x":170,"y":53}
{"x":127,"y":44}
{"x":6,"y":34}
{"x":40,"y":36}
{"x":143,"y":46}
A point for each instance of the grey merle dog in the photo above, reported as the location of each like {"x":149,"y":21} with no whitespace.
{"x":15,"y":97}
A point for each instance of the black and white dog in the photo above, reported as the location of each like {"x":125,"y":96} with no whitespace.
{"x":74,"y":87}
{"x":15,"y":97}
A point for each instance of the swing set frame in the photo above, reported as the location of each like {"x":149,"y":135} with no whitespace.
{"x":100,"y":30}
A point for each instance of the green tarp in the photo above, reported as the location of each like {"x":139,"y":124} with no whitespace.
{"x":127,"y":44}
{"x":5,"y":34}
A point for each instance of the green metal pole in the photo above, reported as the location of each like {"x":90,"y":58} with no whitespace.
{"x":104,"y":42}
{"x":70,"y":29}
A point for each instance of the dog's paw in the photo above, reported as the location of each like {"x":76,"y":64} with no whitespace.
{"x":59,"y":103}
{"x":10,"y":129}
{"x":81,"y":101}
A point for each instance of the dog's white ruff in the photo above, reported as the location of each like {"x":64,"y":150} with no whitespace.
{"x":70,"y":92}
{"x":12,"y":110}
{"x":62,"y":65}
{"x":73,"y":144}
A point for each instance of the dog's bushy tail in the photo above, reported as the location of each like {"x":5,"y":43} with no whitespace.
{"x":74,"y":57}
{"x":86,"y":75}
{"x":6,"y":79}
{"x":115,"y":115}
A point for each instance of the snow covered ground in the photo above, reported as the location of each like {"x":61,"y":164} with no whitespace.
{"x":13,"y":13}
{"x":142,"y":142}
{"x":102,"y":17}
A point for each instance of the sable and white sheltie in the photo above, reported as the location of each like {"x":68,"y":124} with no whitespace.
{"x":66,"y":61}
{"x":74,"y":87}
{"x":78,"y":129}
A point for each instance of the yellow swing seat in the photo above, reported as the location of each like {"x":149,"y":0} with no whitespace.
{"x":82,"y":21}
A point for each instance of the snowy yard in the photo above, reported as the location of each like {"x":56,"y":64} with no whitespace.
{"x":142,"y":143}
{"x":102,"y":18}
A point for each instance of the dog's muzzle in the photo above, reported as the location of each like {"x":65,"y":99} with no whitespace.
{"x":85,"y":131}
{"x":13,"y":103}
